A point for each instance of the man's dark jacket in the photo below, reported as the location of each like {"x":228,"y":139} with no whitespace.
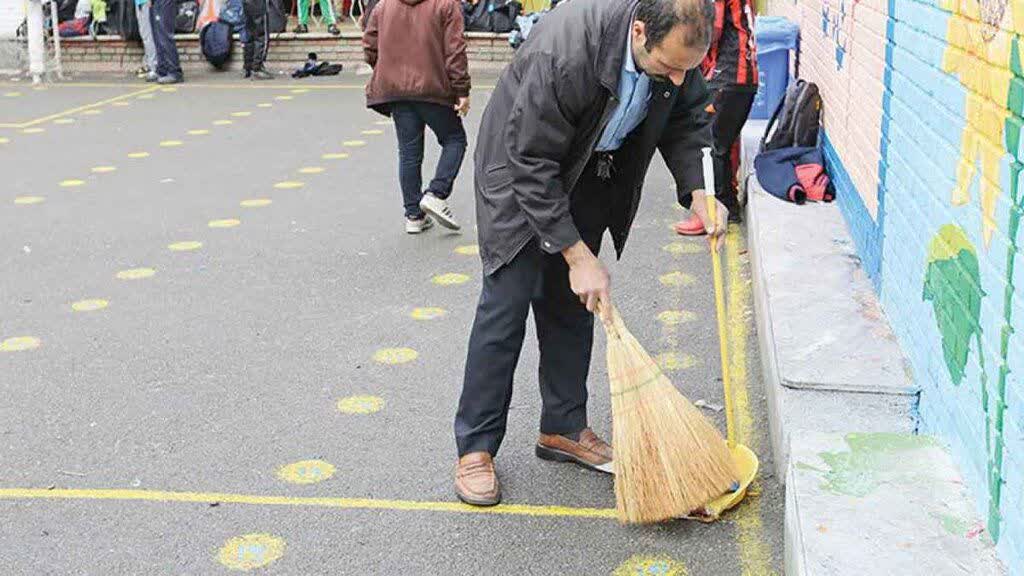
{"x":543,"y":122}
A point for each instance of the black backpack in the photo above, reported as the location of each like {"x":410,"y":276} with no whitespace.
{"x":188,"y":14}
{"x":277,"y":17}
{"x":798,"y":115}
{"x":216,"y":43}
{"x":497,"y":16}
{"x":121,"y":19}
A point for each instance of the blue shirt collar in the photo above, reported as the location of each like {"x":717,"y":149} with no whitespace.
{"x":630,"y":65}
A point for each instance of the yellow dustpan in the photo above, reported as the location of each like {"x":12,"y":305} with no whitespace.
{"x":746,"y":460}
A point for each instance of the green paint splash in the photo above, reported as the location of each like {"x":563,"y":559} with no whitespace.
{"x":873,"y":460}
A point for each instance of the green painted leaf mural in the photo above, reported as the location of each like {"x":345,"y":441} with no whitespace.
{"x":953,"y":285}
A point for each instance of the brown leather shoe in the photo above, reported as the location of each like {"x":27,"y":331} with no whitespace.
{"x":590,"y":452}
{"x":476,"y":482}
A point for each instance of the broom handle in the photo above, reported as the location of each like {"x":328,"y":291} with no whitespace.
{"x":716,"y":265}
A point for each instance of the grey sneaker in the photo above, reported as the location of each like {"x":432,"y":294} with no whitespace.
{"x":417,"y":226}
{"x":262,"y":74}
{"x":151,"y":77}
{"x":439,"y":209}
{"x":170,"y":79}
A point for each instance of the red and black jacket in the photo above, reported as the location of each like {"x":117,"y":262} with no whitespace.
{"x":732,"y":58}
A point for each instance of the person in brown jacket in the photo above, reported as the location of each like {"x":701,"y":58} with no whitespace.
{"x":421,"y":78}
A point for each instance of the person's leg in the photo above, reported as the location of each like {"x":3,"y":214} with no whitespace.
{"x":261,"y":35}
{"x":249,"y":11}
{"x":303,"y":10}
{"x":409,"y":129}
{"x":146,"y":32}
{"x":163,"y":15}
{"x":327,"y":12}
{"x":494,"y":346}
{"x":731,"y":110}
{"x":446,"y":125}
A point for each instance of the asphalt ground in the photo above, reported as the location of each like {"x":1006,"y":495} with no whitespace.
{"x":170,"y":342}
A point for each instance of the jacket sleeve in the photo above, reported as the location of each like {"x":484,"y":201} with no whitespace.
{"x":455,"y":60}
{"x":538,"y":135}
{"x":687,"y":131}
{"x":370,"y":36}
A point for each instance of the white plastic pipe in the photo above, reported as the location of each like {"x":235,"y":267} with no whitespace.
{"x":36,"y":43}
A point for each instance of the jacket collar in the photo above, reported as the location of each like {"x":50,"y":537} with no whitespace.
{"x":612,"y":52}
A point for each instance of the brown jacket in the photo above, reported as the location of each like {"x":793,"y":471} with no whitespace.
{"x":418,"y":52}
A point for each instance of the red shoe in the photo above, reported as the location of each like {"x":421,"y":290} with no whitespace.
{"x":692,"y":226}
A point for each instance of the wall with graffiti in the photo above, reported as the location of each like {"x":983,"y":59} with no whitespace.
{"x":924,"y":102}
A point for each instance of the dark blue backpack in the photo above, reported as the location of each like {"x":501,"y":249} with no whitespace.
{"x":215,"y":40}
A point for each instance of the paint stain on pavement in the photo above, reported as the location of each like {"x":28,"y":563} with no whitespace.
{"x":676,"y":317}
{"x":251,"y":551}
{"x":334,"y":156}
{"x":876,"y":459}
{"x":299,"y":90}
{"x":283,"y":98}
{"x":428,"y":313}
{"x":103,"y":169}
{"x":244,"y":114}
{"x":676,"y":279}
{"x":685,"y":248}
{"x":138,"y":154}
{"x":135,"y":274}
{"x":289,"y":185}
{"x":395,"y":355}
{"x":468,"y":250}
{"x":373,"y":132}
{"x":5,"y":140}
{"x":71,"y":183}
{"x":224,"y":223}
{"x":33,"y":131}
{"x":199,"y":132}
{"x":19,"y":344}
{"x":92,"y":112}
{"x":223,"y":122}
{"x":360,"y":404}
{"x":450,"y":279}
{"x":255,"y":203}
{"x":672,"y":361}
{"x":185,"y":246}
{"x":311,"y":169}
{"x":89,"y":305}
{"x":264,"y":105}
{"x":28,"y":200}
{"x":64,"y":121}
{"x":642,"y":565}
{"x":306,"y":472}
{"x":171,"y":143}
{"x":354,"y":143}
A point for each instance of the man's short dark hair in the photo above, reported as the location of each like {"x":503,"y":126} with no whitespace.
{"x":661,"y":16}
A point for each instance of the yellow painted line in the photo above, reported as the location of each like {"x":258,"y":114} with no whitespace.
{"x":299,"y":501}
{"x":78,"y":109}
{"x":754,"y":556}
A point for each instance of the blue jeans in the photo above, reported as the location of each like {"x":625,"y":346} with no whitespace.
{"x":410,"y":119}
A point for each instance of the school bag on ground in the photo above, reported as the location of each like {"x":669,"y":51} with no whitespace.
{"x":215,"y":41}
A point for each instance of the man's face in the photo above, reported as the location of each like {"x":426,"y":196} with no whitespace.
{"x":671,"y":59}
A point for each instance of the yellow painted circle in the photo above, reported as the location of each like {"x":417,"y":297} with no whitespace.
{"x":71,"y":183}
{"x":251,"y":551}
{"x":241,"y":114}
{"x":171,"y":143}
{"x":121,"y":103}
{"x":92,"y":112}
{"x":147,"y":96}
{"x":299,"y":90}
{"x":135,"y":273}
{"x":306,"y":472}
{"x":12,"y":94}
{"x":676,"y":279}
{"x":334,"y":156}
{"x":685,"y":248}
{"x":311,"y":169}
{"x":33,"y":130}
{"x":372,"y":132}
{"x":199,"y":132}
{"x":671,"y":361}
{"x":103,"y":169}
{"x":468,"y":250}
{"x":89,"y":305}
{"x":64,"y":121}
{"x":642,"y":565}
{"x":395,"y":355}
{"x":676,"y":317}
{"x":450,"y":279}
{"x":26,"y":200}
{"x":19,"y":343}
{"x":428,"y":313}
{"x":286,"y":97}
{"x":288,"y":185}
{"x":256,"y":203}
{"x":138,"y":154}
{"x":225,"y":223}
{"x":264,"y":105}
{"x":360,"y":404}
{"x":169,"y":89}
{"x":354,"y":143}
{"x":186,"y":246}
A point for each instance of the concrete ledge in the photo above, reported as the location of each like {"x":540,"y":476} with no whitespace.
{"x":881,"y":504}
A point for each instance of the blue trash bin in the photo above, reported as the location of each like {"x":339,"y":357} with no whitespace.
{"x":776,"y":37}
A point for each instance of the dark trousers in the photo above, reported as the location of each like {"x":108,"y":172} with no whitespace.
{"x":565,"y":334}
{"x":732,"y":107}
{"x":161,"y":20}
{"x":410,"y":119}
{"x":257,"y":28}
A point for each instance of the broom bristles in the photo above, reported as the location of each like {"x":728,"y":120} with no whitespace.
{"x":669,"y":459}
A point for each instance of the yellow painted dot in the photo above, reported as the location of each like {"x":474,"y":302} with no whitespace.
{"x":33,"y":130}
{"x":135,"y":274}
{"x":147,"y":96}
{"x":354,"y":143}
{"x":121,"y":103}
{"x":256,"y":203}
{"x":383,"y":122}
{"x":468,"y":250}
{"x":12,"y":94}
{"x":89,"y":305}
{"x":26,"y":200}
{"x":171,"y":143}
{"x":64,"y":121}
{"x":286,"y":97}
{"x":288,"y":185}
{"x":360,"y":404}
{"x":676,"y":279}
{"x":241,"y":114}
{"x":198,"y":132}
{"x":395,"y":355}
{"x":685,"y":248}
{"x":450,"y":279}
{"x":19,"y":343}
{"x":642,"y":565}
{"x":71,"y":183}
{"x":103,"y":169}
{"x":185,"y":246}
{"x":92,"y":112}
{"x":372,"y":132}
{"x":225,"y":223}
{"x":299,"y":90}
{"x":5,"y":140}
{"x":223,"y":122}
{"x":671,"y":361}
{"x":169,"y":89}
{"x":311,"y":169}
{"x":251,"y":551}
{"x":306,"y":472}
{"x":427,"y":313}
{"x":676,"y":317}
{"x":334,"y":156}
{"x":138,"y":154}
{"x":264,"y":105}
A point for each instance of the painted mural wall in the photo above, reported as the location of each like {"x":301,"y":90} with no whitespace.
{"x":924,"y":102}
